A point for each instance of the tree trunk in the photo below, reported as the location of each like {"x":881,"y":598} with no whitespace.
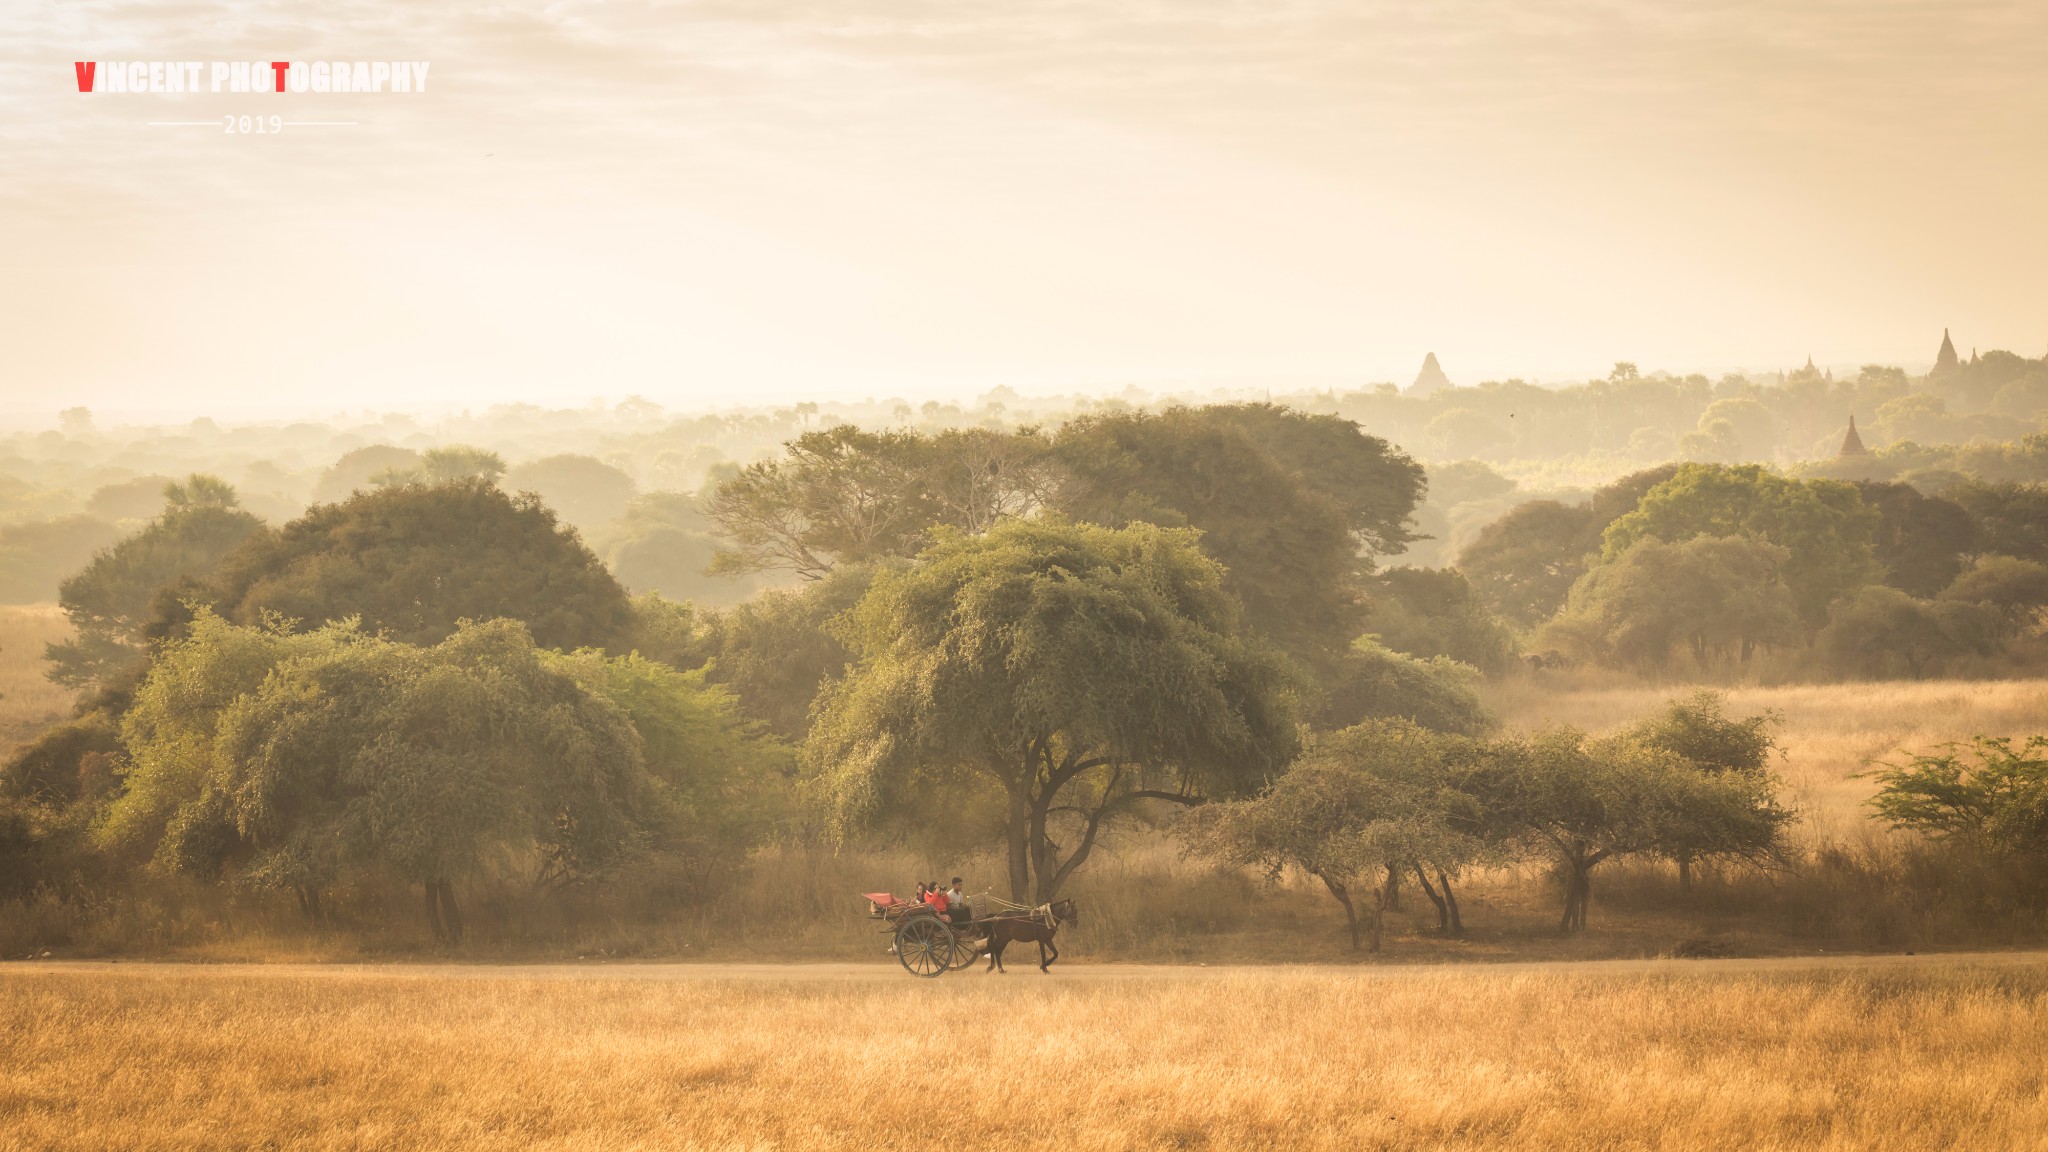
{"x":1393,"y":888}
{"x":1020,"y":845}
{"x":1380,"y":897}
{"x":1343,"y":896}
{"x":450,"y":914}
{"x":1685,"y":872}
{"x":434,"y":910}
{"x":1443,"y":911}
{"x":1578,"y":892}
{"x":1451,"y":898}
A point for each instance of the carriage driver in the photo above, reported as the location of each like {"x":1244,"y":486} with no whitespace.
{"x":956,"y":900}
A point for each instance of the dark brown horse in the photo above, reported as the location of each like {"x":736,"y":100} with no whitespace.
{"x":1037,"y":925}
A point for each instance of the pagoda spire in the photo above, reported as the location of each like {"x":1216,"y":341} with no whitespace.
{"x":1945,"y":360}
{"x":1852,"y":444}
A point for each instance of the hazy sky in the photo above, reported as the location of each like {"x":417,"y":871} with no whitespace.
{"x":712,"y":204}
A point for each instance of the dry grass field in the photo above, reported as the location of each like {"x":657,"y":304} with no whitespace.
{"x":28,"y":701}
{"x":1897,"y":1054}
{"x":1830,"y":731}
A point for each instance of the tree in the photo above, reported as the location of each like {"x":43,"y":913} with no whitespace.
{"x":1076,"y":669}
{"x":2012,"y":519}
{"x":1987,"y":794}
{"x":724,"y":782}
{"x":1525,"y":563}
{"x":36,"y":555}
{"x":1374,"y":682}
{"x":775,"y":651}
{"x":1920,"y":541}
{"x":111,"y":601}
{"x":838,"y":495}
{"x":454,"y":464}
{"x":583,"y":490}
{"x":1433,"y":612}
{"x":300,"y":760}
{"x":1695,"y":729}
{"x":1822,"y":524}
{"x":1293,"y":534}
{"x":412,"y":561}
{"x":358,"y":468}
{"x":1583,"y":802}
{"x":45,"y":771}
{"x":1716,"y":597}
{"x":1361,"y":807}
{"x":2017,"y":589}
{"x":1879,"y":630}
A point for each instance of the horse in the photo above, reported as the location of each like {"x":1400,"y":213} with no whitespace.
{"x":1038,"y":925}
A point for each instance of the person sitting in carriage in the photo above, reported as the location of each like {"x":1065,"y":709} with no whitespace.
{"x":936,"y":897}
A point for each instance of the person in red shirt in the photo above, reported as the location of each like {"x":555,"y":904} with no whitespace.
{"x":936,"y":897}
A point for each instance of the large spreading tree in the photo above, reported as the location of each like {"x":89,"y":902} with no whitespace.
{"x":411,"y":561}
{"x":1075,"y":670}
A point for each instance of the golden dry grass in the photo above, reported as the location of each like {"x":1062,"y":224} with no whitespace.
{"x":1899,"y":1055}
{"x":1830,"y":732}
{"x":28,"y":701}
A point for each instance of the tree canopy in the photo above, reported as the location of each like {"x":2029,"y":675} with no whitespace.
{"x":1361,"y":807}
{"x":1076,"y":669}
{"x":298,"y":760}
{"x":411,"y":561}
{"x":1823,"y":526}
{"x":1715,"y":597}
{"x":111,"y":601}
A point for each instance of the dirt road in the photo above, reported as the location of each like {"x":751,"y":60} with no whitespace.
{"x":883,"y":969}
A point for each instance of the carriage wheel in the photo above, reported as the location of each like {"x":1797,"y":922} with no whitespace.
{"x":963,"y":949}
{"x":925,"y":946}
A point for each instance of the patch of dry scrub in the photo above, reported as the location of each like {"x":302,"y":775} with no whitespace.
{"x":1871,"y":1057}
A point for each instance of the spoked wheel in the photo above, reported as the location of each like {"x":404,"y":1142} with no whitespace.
{"x":925,"y":946}
{"x":964,"y":951}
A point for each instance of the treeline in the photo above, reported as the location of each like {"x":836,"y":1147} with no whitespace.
{"x":433,"y":678}
{"x":1635,"y":418}
{"x":633,"y":477}
{"x":1699,"y":568}
{"x":1007,"y":640}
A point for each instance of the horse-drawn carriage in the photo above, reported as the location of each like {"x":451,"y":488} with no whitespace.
{"x":930,"y":945}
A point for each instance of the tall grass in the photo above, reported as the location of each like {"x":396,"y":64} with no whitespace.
{"x":28,"y":701}
{"x":1866,"y":1057}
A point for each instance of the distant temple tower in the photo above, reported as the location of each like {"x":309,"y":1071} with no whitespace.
{"x":1431,"y":379}
{"x":1945,"y":360}
{"x":1852,"y":444}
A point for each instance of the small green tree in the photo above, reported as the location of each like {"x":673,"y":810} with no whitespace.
{"x":1990,"y":794}
{"x":1583,"y":802}
{"x":1697,"y":729}
{"x":1361,"y":807}
{"x":1075,"y":669}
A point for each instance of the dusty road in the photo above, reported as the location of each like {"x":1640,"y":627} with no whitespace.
{"x":886,"y":969}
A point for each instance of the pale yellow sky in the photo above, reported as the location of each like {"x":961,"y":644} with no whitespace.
{"x":714,"y":204}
